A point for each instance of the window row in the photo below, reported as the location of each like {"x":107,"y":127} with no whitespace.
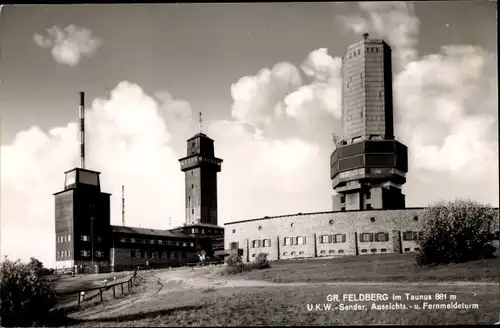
{"x":331,"y":251}
{"x":156,"y":241}
{"x":87,"y":238}
{"x":63,"y":239}
{"x":202,"y":230}
{"x":261,"y":243}
{"x":290,"y":241}
{"x":98,"y":254}
{"x":370,"y":237}
{"x":412,"y":235}
{"x":61,"y":254}
{"x":155,"y":255}
{"x":332,"y":239}
{"x":293,"y":253}
{"x":374,"y":250}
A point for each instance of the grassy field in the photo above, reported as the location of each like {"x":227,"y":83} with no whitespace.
{"x":167,"y":298}
{"x":383,"y":267}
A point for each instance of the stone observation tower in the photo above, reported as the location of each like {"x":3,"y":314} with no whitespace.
{"x":368,"y":166}
{"x":201,"y":167}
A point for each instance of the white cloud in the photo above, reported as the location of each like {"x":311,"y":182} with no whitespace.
{"x":68,"y":44}
{"x":257,"y":98}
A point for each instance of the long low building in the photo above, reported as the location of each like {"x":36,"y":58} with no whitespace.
{"x":328,"y":234}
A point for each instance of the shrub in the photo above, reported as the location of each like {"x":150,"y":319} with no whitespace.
{"x":456,"y":231}
{"x":26,"y":296}
{"x":235,"y":265}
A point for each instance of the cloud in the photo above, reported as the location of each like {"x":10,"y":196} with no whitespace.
{"x":70,"y":44}
{"x":393,"y":21}
{"x":258,"y":99}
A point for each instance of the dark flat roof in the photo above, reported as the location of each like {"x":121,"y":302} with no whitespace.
{"x":195,"y":225}
{"x":203,"y":135}
{"x":149,"y":232}
{"x":77,"y":168}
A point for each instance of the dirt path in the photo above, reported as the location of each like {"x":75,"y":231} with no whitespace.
{"x":167,"y":281}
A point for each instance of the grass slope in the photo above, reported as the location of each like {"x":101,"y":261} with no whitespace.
{"x":287,"y":304}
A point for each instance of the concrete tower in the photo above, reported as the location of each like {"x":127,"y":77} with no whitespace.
{"x":82,"y":215}
{"x":368,"y":166}
{"x":201,"y":167}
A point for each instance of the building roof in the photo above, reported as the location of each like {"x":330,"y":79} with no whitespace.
{"x":204,"y":225}
{"x":149,"y":232}
{"x":325,"y":212}
{"x":203,"y":135}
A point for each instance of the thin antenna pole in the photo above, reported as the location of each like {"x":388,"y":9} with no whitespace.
{"x":82,"y":130}
{"x":123,"y":205}
{"x":200,"y":122}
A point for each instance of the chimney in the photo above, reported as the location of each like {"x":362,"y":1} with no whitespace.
{"x":82,"y":130}
{"x":123,"y":205}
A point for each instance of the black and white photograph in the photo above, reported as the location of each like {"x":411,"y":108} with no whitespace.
{"x":249,"y":164}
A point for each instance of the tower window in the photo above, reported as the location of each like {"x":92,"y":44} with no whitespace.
{"x":359,"y":51}
{"x":192,"y":211}
{"x":192,"y":186}
{"x":189,"y":199}
{"x":342,"y":198}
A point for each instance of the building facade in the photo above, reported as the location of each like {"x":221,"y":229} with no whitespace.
{"x":368,"y":170}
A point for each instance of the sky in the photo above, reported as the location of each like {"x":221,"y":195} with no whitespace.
{"x":266,"y":77}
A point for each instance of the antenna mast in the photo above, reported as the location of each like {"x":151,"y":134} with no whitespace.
{"x":123,"y":205}
{"x":200,"y":122}
{"x":82,"y":130}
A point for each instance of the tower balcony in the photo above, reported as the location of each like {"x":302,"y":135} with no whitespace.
{"x":370,"y":161}
{"x":194,"y":161}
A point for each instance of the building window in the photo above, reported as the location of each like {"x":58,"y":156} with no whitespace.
{"x":99,"y":254}
{"x":267,"y":242}
{"x":301,"y":253}
{"x":152,"y":241}
{"x":184,"y":244}
{"x":234,"y":245}
{"x":359,"y":51}
{"x":323,"y":252}
{"x":164,"y":255}
{"x":132,"y":240}
{"x":324,"y":239}
{"x":234,"y":230}
{"x":58,"y":254}
{"x":191,"y":244}
{"x":85,"y":238}
{"x":418,"y":235}
{"x":85,"y":253}
{"x":292,"y":253}
{"x":341,"y":251}
{"x":383,"y":250}
{"x":340,"y":238}
{"x":382,"y":236}
{"x":255,"y":243}
{"x":364,"y":251}
{"x":202,"y":230}
{"x":160,"y":241}
{"x":342,"y":209}
{"x":292,"y":224}
{"x":192,"y":186}
{"x":331,"y":221}
{"x":155,"y":255}
{"x":331,"y":251}
{"x":287,"y":241}
{"x":373,"y":250}
{"x":415,"y":218}
{"x":192,"y":211}
{"x":407,"y":249}
{"x":366,"y":237}
{"x":301,"y":240}
{"x":285,"y":253}
{"x":408,"y":235}
{"x":416,"y":249}
{"x":342,"y":198}
{"x":193,"y":230}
